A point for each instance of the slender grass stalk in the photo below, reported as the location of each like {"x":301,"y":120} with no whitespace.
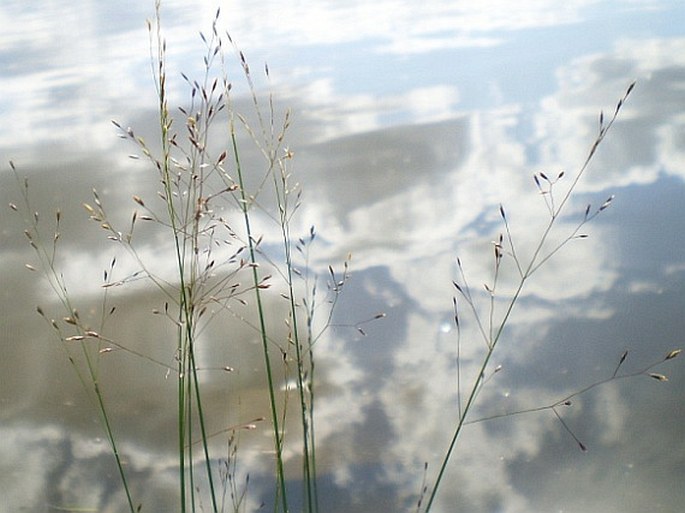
{"x":494,"y":334}
{"x":90,"y":379}
{"x":270,"y":144}
{"x":303,"y":382}
{"x":258,"y":285}
{"x":304,"y":358}
{"x":188,"y":383}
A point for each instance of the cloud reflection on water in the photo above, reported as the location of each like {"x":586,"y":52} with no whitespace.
{"x":406,"y":198}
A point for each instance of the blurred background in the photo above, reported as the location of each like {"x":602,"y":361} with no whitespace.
{"x":411,"y":123}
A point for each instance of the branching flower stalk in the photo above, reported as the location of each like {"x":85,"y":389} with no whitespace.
{"x":567,"y":400}
{"x":305,"y":373}
{"x":88,"y":377}
{"x":188,"y":383}
{"x":539,"y":257}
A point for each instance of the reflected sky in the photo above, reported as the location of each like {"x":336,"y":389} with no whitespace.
{"x":411,"y":125}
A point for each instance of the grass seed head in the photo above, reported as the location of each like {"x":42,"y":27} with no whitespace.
{"x":673,"y":354}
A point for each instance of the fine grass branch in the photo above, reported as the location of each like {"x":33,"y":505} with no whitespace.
{"x":74,"y":334}
{"x":567,"y":401}
{"x":489,"y":328}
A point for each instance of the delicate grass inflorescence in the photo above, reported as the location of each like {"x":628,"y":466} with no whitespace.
{"x":491,"y":328}
{"x":206,"y":209}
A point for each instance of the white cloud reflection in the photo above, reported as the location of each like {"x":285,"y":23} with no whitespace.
{"x":646,"y":138}
{"x":396,"y":25}
{"x":78,"y":65}
{"x":406,"y":181}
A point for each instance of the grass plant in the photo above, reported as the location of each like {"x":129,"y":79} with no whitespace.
{"x":206,"y":208}
{"x":77,"y":337}
{"x":199,"y":184}
{"x":491,"y":323}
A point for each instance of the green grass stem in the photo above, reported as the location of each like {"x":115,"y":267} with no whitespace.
{"x":534,"y":264}
{"x":278,"y":436}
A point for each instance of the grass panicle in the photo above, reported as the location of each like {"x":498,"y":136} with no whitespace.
{"x":491,"y":328}
{"x":77,"y":337}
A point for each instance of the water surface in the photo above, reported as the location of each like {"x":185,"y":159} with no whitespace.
{"x":411,"y":125}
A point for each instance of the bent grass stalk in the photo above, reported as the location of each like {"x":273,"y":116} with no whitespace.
{"x":492,"y":333}
{"x":491,"y":337}
{"x":89,"y":376}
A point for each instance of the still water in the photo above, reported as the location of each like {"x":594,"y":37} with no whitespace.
{"x":411,"y":125}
